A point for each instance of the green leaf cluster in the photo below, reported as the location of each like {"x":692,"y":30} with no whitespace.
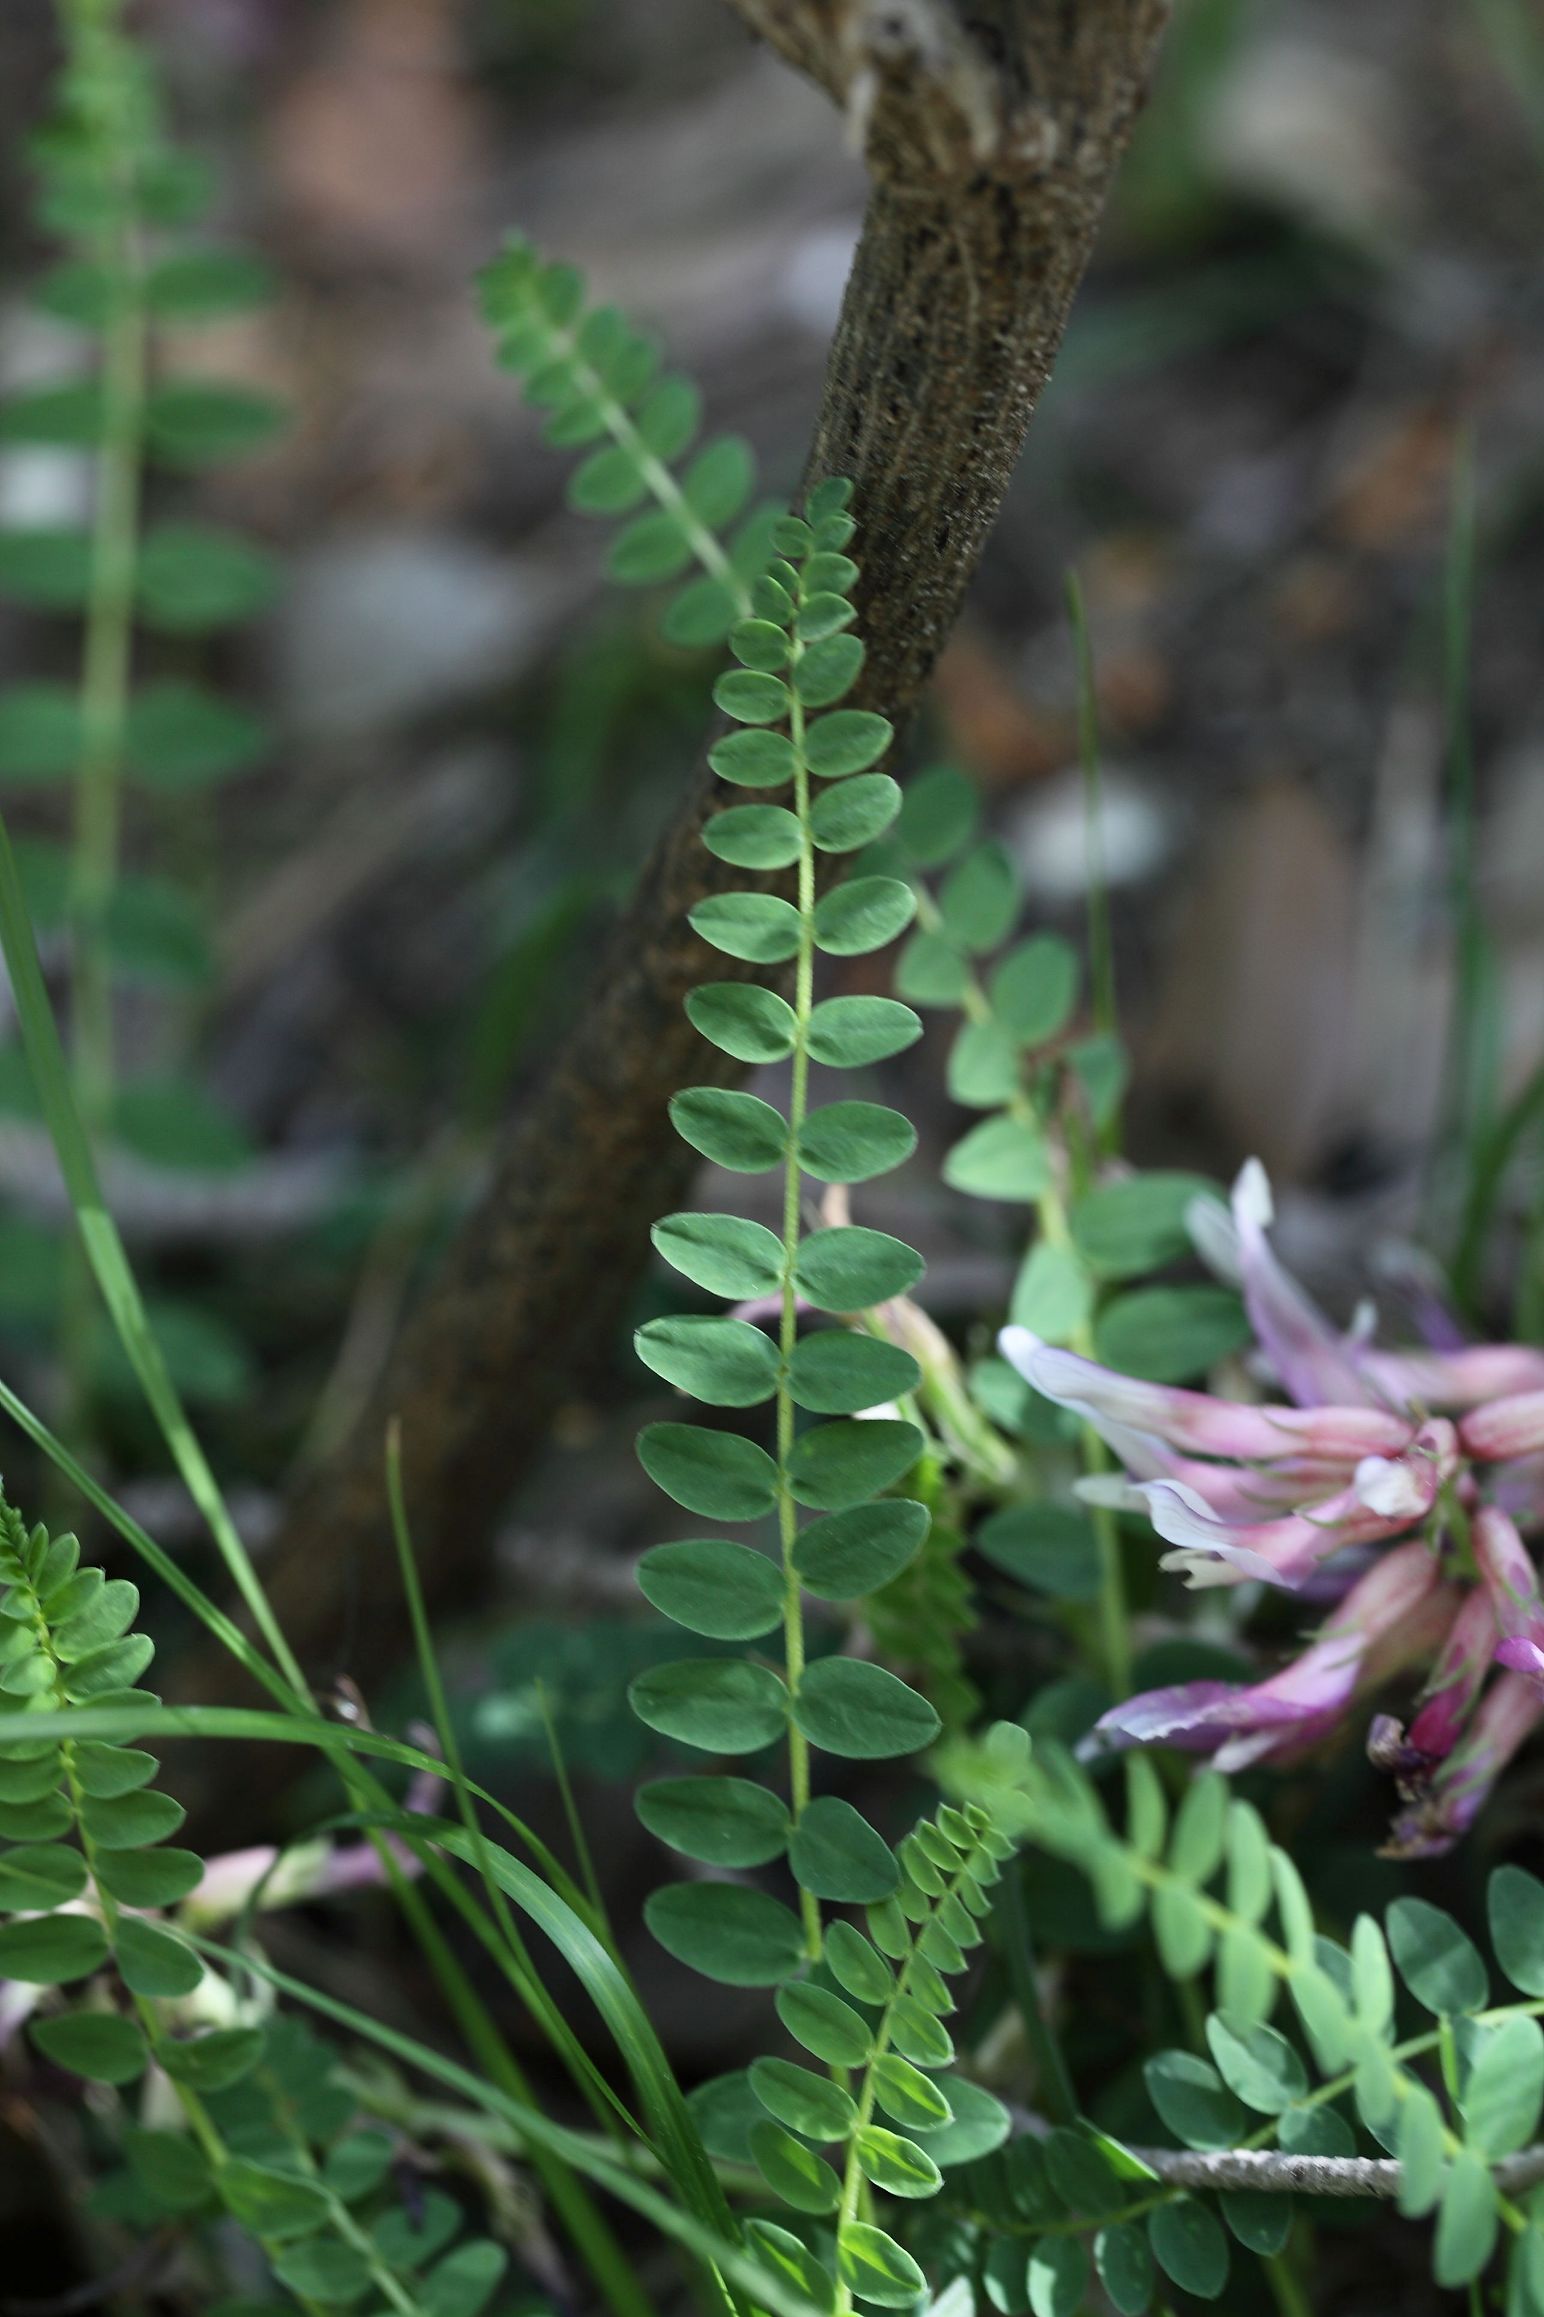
{"x":133,"y":273}
{"x":1448,"y":2103}
{"x":600,"y":382}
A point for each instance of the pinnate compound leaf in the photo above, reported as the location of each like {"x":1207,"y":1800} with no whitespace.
{"x":836,"y":1854}
{"x":932,"y":970}
{"x":737,"y":1936}
{"x":851,"y":1142}
{"x":1467,"y":2218}
{"x":754,"y":1025}
{"x":1057,"y":2277}
{"x":727,"y":1822}
{"x":729,"y":1592}
{"x":52,"y":1950}
{"x":757,"y":927}
{"x":1050,"y":1547}
{"x":276,"y":2205}
{"x":1439,"y":1964}
{"x":938,"y":816}
{"x":854,"y":1553}
{"x":726,"y":1363}
{"x":1193,"y":2101}
{"x":1034,"y":989}
{"x":849,"y":1268}
{"x":463,"y":2283}
{"x":895,"y":2164}
{"x":323,"y":2269}
{"x":754,"y":836}
{"x":1258,"y":2065}
{"x":875,"y":2268}
{"x":837,"y":1465}
{"x":1420,"y":2143}
{"x":130,"y":1821}
{"x":40,"y":734}
{"x":837,"y":1372}
{"x":856,"y":1965}
{"x":854,"y":814}
{"x":983,"y":1066}
{"x":150,"y":1878}
{"x":979,"y":899}
{"x":723,"y":1705}
{"x":827,"y":670}
{"x":1189,"y":2246}
{"x":1505,"y":2089}
{"x":792,"y":2263}
{"x":750,"y":697}
{"x":155,"y":1962}
{"x":169,"y":2166}
{"x":850,"y":740}
{"x":1002,"y":1158}
{"x":824,"y":2024}
{"x":651,"y":547}
{"x":1516,"y":1904}
{"x":1125,"y":2266}
{"x":794,"y":2173}
{"x":98,"y":2045}
{"x":35,"y":1877}
{"x":192,"y":580}
{"x":1168,"y":1335}
{"x":1257,"y":2219}
{"x":755,"y":759}
{"x":1124,"y":1228}
{"x":864,"y":914}
{"x":202,"y":285}
{"x":702,"y":613}
{"x":215,"y":2059}
{"x":713,"y":1473}
{"x":735,"y":1130}
{"x":809,"y":2104}
{"x":849,"y":1707}
{"x":724,"y":1253}
{"x":200,"y":422}
{"x":47,"y":569}
{"x":850,"y":1033}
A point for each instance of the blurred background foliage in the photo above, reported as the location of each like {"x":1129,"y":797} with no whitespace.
{"x":1318,"y":283}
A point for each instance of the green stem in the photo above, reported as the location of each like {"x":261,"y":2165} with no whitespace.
{"x":104,"y":682}
{"x":798,"y":1097}
{"x":1286,"y":2289}
{"x":854,"y":2185}
{"x":196,"y":2114}
{"x":1114,"y":1617}
{"x":564,"y":345}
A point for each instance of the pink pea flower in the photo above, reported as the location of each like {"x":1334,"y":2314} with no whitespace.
{"x":1457,"y":1678}
{"x":1378,"y":1469}
{"x":1438,"y":1816}
{"x":1386,"y":1618}
{"x":1504,"y":1428}
{"x":1512,"y":1582}
{"x":1196,"y":1422}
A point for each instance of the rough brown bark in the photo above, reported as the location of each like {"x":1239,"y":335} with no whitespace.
{"x":992,"y":132}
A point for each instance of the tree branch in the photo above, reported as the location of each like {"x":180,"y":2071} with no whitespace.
{"x":991,"y":150}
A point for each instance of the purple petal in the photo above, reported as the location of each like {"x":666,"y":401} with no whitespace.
{"x":1314,"y":1362}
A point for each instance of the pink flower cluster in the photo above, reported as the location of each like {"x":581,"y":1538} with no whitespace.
{"x":1395,"y":1486}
